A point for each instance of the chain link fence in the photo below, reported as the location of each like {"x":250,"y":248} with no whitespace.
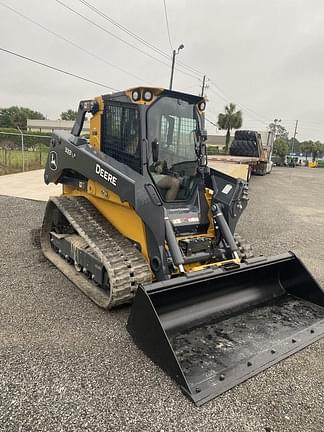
{"x":22,"y":151}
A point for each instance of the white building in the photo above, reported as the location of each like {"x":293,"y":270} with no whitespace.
{"x":50,"y":125}
{"x":217,"y":140}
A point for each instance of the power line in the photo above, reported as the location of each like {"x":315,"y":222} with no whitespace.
{"x":167,"y":24}
{"x":248,"y":112}
{"x":300,"y":126}
{"x":257,"y":115}
{"x":123,"y":28}
{"x":137,"y":37}
{"x":251,"y":115}
{"x":117,"y":37}
{"x":108,"y":32}
{"x":69,"y":41}
{"x":309,"y":122}
{"x":254,"y":114}
{"x":303,"y":124}
{"x":194,"y":86}
{"x":211,"y":122}
{"x":134,"y":35}
{"x":57,"y":69}
{"x":93,"y":8}
{"x":158,"y":50}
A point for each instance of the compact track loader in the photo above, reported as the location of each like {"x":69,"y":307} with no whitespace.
{"x":143,"y":219}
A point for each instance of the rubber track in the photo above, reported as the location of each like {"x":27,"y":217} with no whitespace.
{"x":125,"y":265}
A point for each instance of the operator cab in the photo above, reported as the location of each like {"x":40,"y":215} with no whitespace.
{"x":174,"y":131}
{"x":176,"y":159}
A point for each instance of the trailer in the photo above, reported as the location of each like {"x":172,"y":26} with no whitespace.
{"x":251,"y":150}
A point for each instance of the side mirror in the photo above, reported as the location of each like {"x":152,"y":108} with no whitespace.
{"x":155,"y":150}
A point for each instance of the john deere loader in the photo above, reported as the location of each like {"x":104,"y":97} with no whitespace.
{"x":142,"y":219}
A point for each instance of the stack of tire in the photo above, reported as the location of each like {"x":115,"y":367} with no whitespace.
{"x":245,"y":143}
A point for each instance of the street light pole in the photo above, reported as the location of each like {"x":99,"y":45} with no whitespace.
{"x":203,"y":86}
{"x":172,"y":68}
{"x":174,"y":53}
{"x":22,"y":148}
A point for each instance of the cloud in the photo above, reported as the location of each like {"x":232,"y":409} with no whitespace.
{"x":264,"y":56}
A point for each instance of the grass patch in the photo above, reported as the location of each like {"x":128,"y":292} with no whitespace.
{"x":11,"y":161}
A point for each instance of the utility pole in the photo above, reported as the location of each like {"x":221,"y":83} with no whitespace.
{"x":174,"y":53}
{"x":294,"y":138}
{"x":22,"y":148}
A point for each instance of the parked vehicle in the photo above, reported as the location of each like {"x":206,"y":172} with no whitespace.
{"x":251,"y":148}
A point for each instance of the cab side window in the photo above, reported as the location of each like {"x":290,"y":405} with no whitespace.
{"x":121,"y":134}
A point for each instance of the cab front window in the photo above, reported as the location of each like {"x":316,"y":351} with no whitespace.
{"x":173,"y":124}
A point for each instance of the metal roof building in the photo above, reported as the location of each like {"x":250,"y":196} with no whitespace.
{"x":51,"y":125}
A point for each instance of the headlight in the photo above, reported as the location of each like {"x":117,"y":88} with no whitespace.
{"x":148,"y":95}
{"x":136,"y":95}
{"x":90,"y":106}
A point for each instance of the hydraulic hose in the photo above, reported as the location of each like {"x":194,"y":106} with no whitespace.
{"x":220,"y":221}
{"x":173,"y":244}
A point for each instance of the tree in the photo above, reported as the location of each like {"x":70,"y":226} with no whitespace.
{"x":318,"y":149}
{"x":278,"y":130}
{"x":280,"y":148}
{"x":17,"y":116}
{"x":312,"y":148}
{"x":229,"y":120}
{"x":294,"y":145}
{"x":69,"y":115}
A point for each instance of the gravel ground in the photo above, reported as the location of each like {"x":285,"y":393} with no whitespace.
{"x":66,"y":365}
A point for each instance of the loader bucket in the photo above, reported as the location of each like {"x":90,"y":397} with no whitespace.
{"x":213,"y":329}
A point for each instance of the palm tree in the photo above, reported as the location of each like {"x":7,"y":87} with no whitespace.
{"x":231,"y":119}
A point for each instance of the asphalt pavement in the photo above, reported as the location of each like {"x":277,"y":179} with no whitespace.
{"x":66,"y":365}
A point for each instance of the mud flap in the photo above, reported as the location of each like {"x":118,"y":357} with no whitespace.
{"x":214,"y":329}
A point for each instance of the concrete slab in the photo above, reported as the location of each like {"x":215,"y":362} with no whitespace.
{"x":29,"y":185}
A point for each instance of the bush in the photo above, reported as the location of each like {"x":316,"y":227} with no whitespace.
{"x":215,"y":150}
{"x":212,"y":150}
{"x":320,"y":163}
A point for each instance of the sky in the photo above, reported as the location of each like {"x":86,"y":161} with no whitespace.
{"x":266,"y":57}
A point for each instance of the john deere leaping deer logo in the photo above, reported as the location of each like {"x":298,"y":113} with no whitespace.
{"x":53,"y":160}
